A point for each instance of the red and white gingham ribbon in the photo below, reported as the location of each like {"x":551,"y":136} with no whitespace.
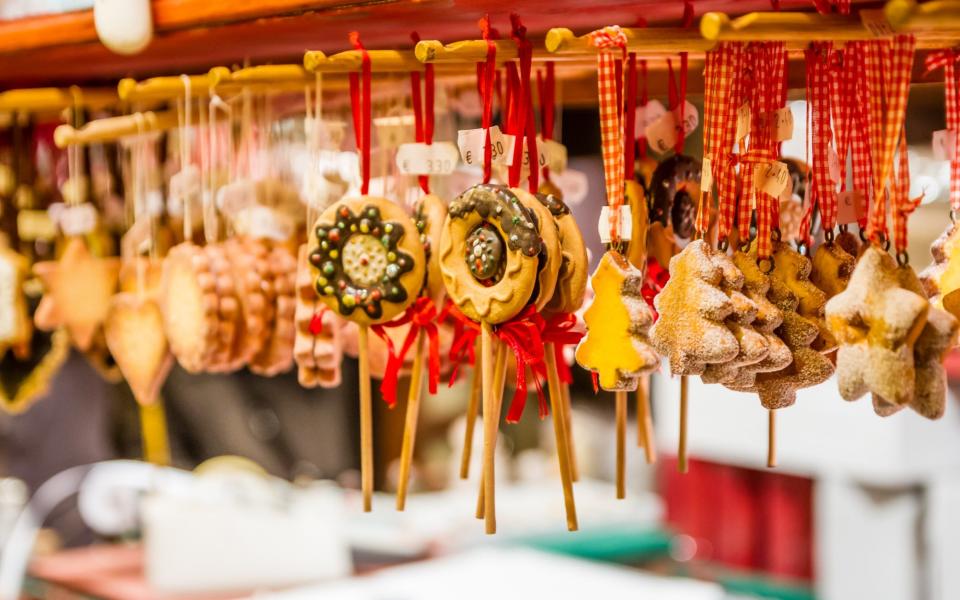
{"x":823,"y":191}
{"x":611,"y":44}
{"x":948,"y":60}
{"x":722,"y":84}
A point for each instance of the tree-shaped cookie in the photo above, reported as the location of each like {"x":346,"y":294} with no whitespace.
{"x":788,"y":279}
{"x":796,"y":270}
{"x":692,"y":307}
{"x":877,"y":323}
{"x":616,"y":346}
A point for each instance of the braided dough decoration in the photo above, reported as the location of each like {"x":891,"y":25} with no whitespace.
{"x":230,"y":352}
{"x":877,"y":323}
{"x":429,"y":215}
{"x":618,"y":321}
{"x":276,"y":356}
{"x":692,"y":307}
{"x":551,"y":257}
{"x":368,"y":259}
{"x":939,"y":334}
{"x":188,"y":299}
{"x":506,"y":253}
{"x":251,"y":271}
{"x":832,"y":267}
{"x":317,"y":347}
{"x":572,"y":279}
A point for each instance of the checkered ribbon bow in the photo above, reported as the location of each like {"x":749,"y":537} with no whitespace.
{"x":611,"y":43}
{"x":947,"y":60}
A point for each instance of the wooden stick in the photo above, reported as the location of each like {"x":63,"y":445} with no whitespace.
{"x":499,"y":381}
{"x":645,"y":437}
{"x":153,"y":428}
{"x":410,"y":427}
{"x":366,"y":421}
{"x":490,"y":428}
{"x":473,"y":407}
{"x":561,"y":435}
{"x":682,"y":446}
{"x":771,"y":438}
{"x":568,"y":416}
{"x":621,"y":398}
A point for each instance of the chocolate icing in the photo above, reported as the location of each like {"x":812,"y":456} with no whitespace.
{"x":498,"y":203}
{"x":554,"y":204}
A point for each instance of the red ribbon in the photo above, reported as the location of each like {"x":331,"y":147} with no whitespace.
{"x":486,"y":73}
{"x":522,"y":334}
{"x":421,"y":315}
{"x":678,"y":97}
{"x":654,"y":280}
{"x":423,"y":116}
{"x":465,"y":332}
{"x":520,"y":120}
{"x":559,"y":330}
{"x":360,"y":103}
{"x":547,"y":87}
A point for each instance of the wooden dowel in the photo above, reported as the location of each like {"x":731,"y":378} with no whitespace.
{"x":560,"y":434}
{"x":645,"y":422}
{"x":366,"y":420}
{"x":489,"y":428}
{"x":381,"y":61}
{"x":473,"y":407}
{"x":114,"y":128}
{"x":682,"y":445}
{"x":653,"y":40}
{"x":499,"y":381}
{"x":621,"y":399}
{"x":568,"y":417}
{"x":771,"y":438}
{"x":153,"y":428}
{"x":410,"y":427}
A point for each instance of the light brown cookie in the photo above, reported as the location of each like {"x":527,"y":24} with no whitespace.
{"x":429,"y":216}
{"x":16,"y":326}
{"x":795,"y":275}
{"x":134,"y":334}
{"x":574,"y":267}
{"x":489,"y":253}
{"x":230,"y":352}
{"x":551,"y":256}
{"x":276,"y":356}
{"x":832,"y":267}
{"x":254,"y":286}
{"x":317,"y":347}
{"x":636,"y":198}
{"x":188,"y":299}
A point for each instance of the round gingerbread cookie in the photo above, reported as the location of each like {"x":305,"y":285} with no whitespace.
{"x":429,"y":215}
{"x":188,"y":299}
{"x":489,"y":253}
{"x":572,"y":278}
{"x":551,"y":256}
{"x":368,"y":258}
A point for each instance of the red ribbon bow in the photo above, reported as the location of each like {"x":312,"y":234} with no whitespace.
{"x":523,"y":335}
{"x":559,"y":330}
{"x":465,"y":332}
{"x":421,"y":315}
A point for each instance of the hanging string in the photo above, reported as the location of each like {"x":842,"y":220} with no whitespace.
{"x":522,"y":110}
{"x":486,"y":74}
{"x":546,"y":88}
{"x":360,"y":103}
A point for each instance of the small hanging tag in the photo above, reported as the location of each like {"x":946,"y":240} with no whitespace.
{"x":73,"y":220}
{"x":647,"y":115}
{"x":851,"y":207}
{"x":662,"y":134}
{"x":393,"y":131}
{"x":781,"y":124}
{"x":787,"y":194}
{"x":553,"y":154}
{"x":771,"y":177}
{"x":471,"y":143}
{"x":743,"y":121}
{"x":833,"y":164}
{"x":944,"y":144}
{"x":624,"y":227}
{"x":706,"y":175}
{"x":691,"y":118}
{"x":422,"y":159}
{"x":33,"y":225}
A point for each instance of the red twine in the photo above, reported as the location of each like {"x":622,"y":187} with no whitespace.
{"x":486,"y":74}
{"x":360,"y":103}
{"x":423,"y":112}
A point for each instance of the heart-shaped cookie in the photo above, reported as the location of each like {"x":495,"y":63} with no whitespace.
{"x":135,"y":336}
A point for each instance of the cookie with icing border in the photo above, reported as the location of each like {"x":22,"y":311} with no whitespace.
{"x":317,"y":347}
{"x":429,"y":215}
{"x":551,"y":256}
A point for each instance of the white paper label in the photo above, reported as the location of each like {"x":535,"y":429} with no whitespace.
{"x":850,"y":207}
{"x":73,"y":220}
{"x":944,"y":144}
{"x":787,"y":193}
{"x":554,"y":154}
{"x":647,"y":115}
{"x":706,"y":175}
{"x":771,"y":177}
{"x":833,"y":164}
{"x":471,"y":143}
{"x":420,"y":159}
{"x":624,"y":227}
{"x":743,"y":121}
{"x":781,"y":124}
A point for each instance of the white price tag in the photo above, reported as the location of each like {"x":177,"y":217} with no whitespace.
{"x":420,"y":159}
{"x":73,"y":220}
{"x":743,"y":121}
{"x":787,"y":194}
{"x":781,"y":124}
{"x":662,"y":134}
{"x":647,"y":115}
{"x":471,"y":143}
{"x":771,"y":177}
{"x":833,"y":164}
{"x":624,"y":227}
{"x":553,"y":154}
{"x":851,"y":206}
{"x":944,"y":144}
{"x":706,"y":175}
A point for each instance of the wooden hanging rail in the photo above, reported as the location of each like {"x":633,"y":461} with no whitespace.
{"x":114,"y":128}
{"x":167,"y":88}
{"x":647,"y":41}
{"x":48,"y":100}
{"x":283,"y":75}
{"x":381,"y":61}
{"x":466,"y":51}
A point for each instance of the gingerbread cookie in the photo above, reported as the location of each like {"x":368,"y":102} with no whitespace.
{"x":317,"y":346}
{"x":429,"y":216}
{"x":636,"y":198}
{"x":941,"y":279}
{"x":368,"y":258}
{"x":134,"y":334}
{"x":551,"y":256}
{"x":849,"y":241}
{"x":250,"y":268}
{"x":793,"y":271}
{"x":692,"y":307}
{"x":674,"y":191}
{"x":230,"y":352}
{"x":877,"y":323}
{"x":616,"y":346}
{"x":572,"y":278}
{"x":188,"y":299}
{"x":832,"y":267}
{"x":277,"y":355}
{"x":489,"y":253}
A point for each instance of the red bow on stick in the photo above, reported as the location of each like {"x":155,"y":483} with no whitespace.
{"x":421,"y":315}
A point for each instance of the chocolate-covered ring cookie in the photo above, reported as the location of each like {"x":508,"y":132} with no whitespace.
{"x":675,"y":190}
{"x":489,"y":253}
{"x":572,"y":278}
{"x":368,"y":260}
{"x":429,"y":216}
{"x":551,"y":257}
